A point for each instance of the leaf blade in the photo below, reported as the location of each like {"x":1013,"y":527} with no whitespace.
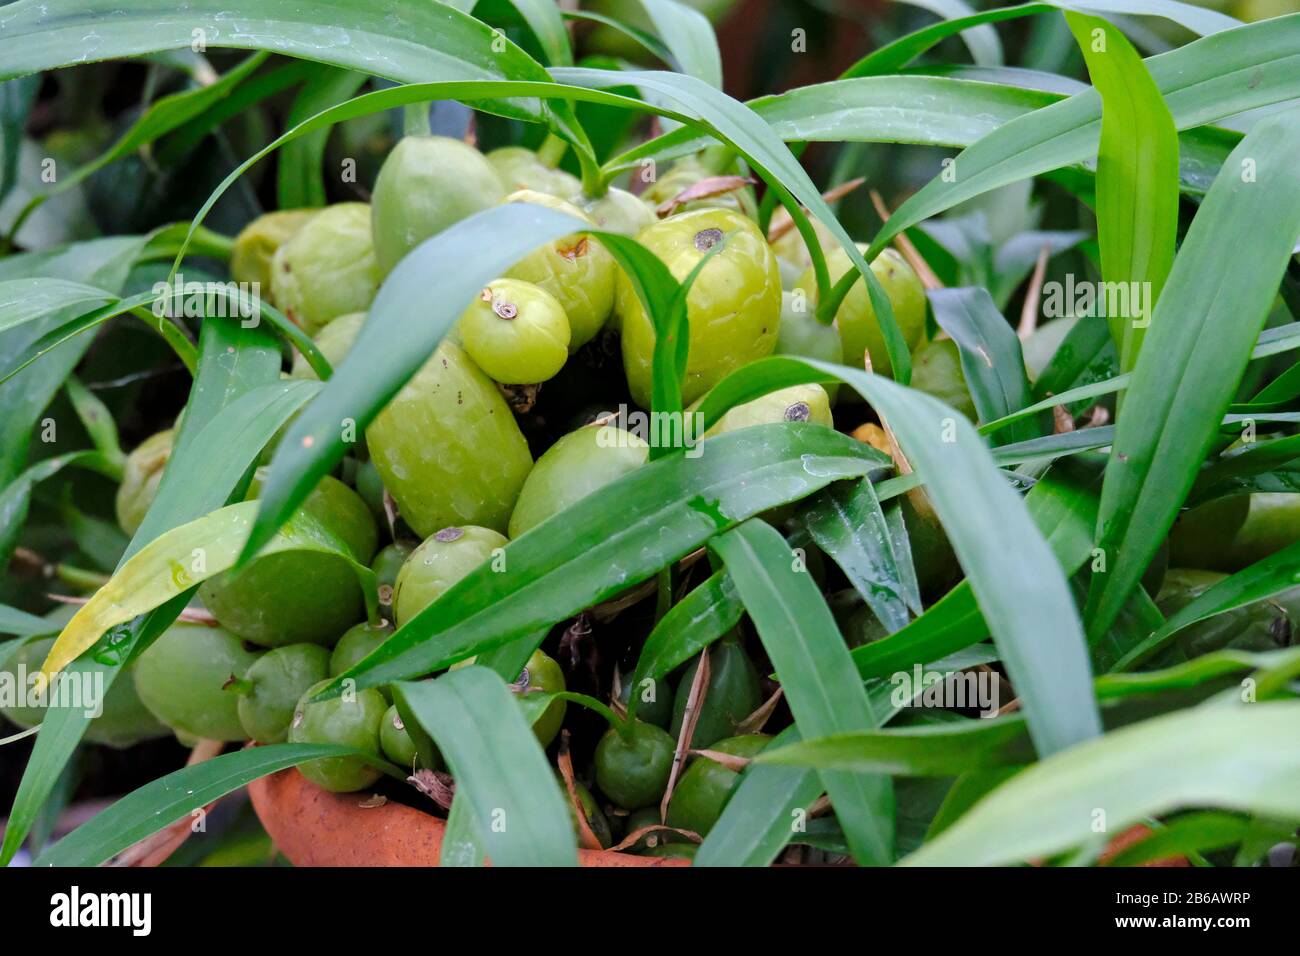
{"x":1213,"y":309}
{"x":1243,"y":758}
{"x":812,"y":664}
{"x":499,"y":766}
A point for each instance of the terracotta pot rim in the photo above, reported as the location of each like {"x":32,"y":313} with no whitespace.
{"x":313,"y":827}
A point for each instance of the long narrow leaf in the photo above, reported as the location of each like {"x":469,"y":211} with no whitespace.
{"x":1137,"y":176}
{"x":812,"y":664}
{"x":1214,"y":305}
{"x":1244,"y":758}
{"x":689,"y":37}
{"x":1012,"y":571}
{"x":158,"y":803}
{"x":299,"y":176}
{"x":233,"y":360}
{"x":1064,"y":508}
{"x":691,"y":625}
{"x":165,"y":569}
{"x":764,"y":814}
{"x":847,"y":522}
{"x":604,"y":544}
{"x":409,"y":40}
{"x":991,"y":360}
{"x":1204,"y":81}
{"x":523,"y":820}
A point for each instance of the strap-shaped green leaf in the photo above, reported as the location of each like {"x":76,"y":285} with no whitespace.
{"x":14,"y":621}
{"x":544,"y":19}
{"x":991,"y":360}
{"x":1214,"y":305}
{"x":763,"y":815}
{"x":99,"y":263}
{"x":1262,"y":580}
{"x":16,"y":497}
{"x":161,"y":802}
{"x":300,"y":181}
{"x":982,"y":40}
{"x":847,"y":522}
{"x":220,"y":381}
{"x":1137,"y":177}
{"x":166,"y":568}
{"x":604,"y":544}
{"x":1013,"y":574}
{"x":812,"y":663}
{"x":410,"y":40}
{"x":1243,"y":758}
{"x":1064,"y":508}
{"x":689,"y":37}
{"x":897,"y":54}
{"x":1204,"y":81}
{"x":692,"y":624}
{"x":500,"y":769}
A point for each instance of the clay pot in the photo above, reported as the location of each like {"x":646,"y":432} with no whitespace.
{"x":1136,"y":834}
{"x":313,"y":827}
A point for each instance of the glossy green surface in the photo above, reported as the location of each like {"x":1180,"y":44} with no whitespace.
{"x":616,"y":211}
{"x":448,"y":448}
{"x":633,"y":772}
{"x":327,"y":268}
{"x":733,"y":308}
{"x":255,"y":246}
{"x":576,"y":269}
{"x":1040,"y":345}
{"x":334,"y":342}
{"x":688,"y":171}
{"x":278,"y":678}
{"x":370,"y":486}
{"x":655,"y":700}
{"x":577,"y":465}
{"x":426,"y":184}
{"x":936,"y":370}
{"x":356,"y":644}
{"x":352,"y":721}
{"x":544,"y":674}
{"x":798,"y":403}
{"x":1261,"y":626}
{"x":123,"y":719}
{"x":387,"y":565}
{"x":1228,"y":534}
{"x":733,"y":694}
{"x":706,"y":786}
{"x":440,"y":561}
{"x":856,"y":318}
{"x":140,"y":476}
{"x":182,"y":680}
{"x":291,"y":597}
{"x":518,"y":167}
{"x":399,"y":744}
{"x":516,"y":332}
